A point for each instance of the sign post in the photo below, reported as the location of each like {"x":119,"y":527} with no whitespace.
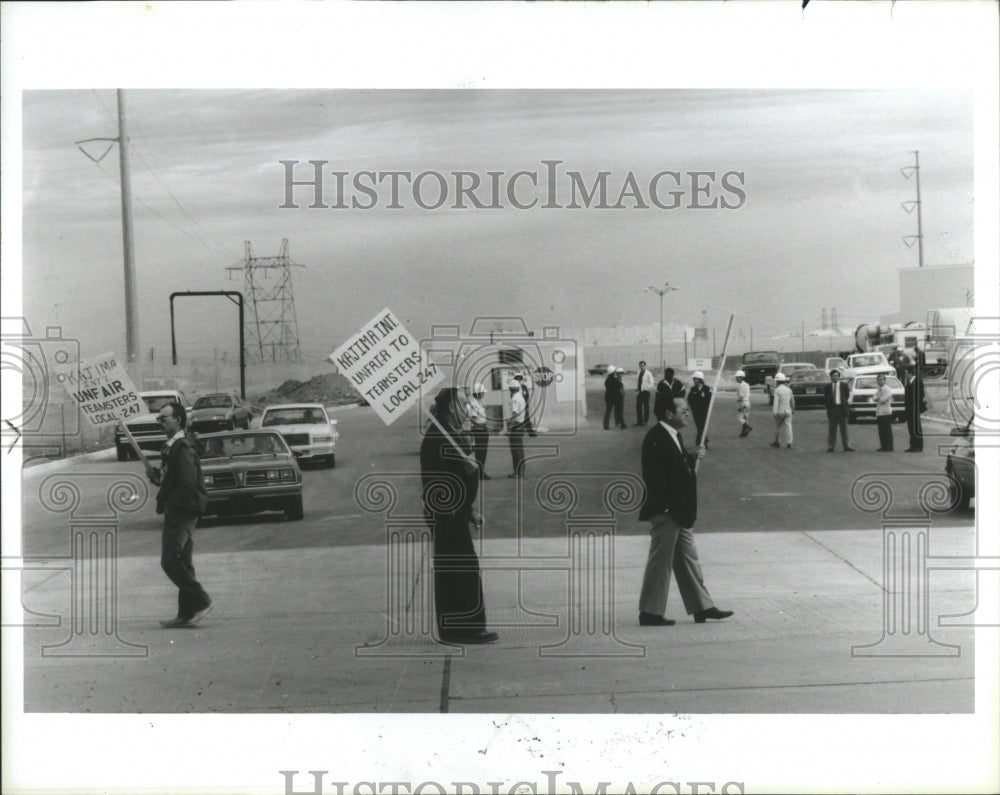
{"x":715,"y":386}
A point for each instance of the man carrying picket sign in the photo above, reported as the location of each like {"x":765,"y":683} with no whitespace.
{"x":182,"y":500}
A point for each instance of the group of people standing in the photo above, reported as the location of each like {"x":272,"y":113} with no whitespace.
{"x":699,"y":397}
{"x":836,"y":400}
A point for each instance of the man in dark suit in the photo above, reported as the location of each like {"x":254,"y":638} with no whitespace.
{"x":610,"y":395}
{"x":670,"y":507}
{"x":836,"y":395}
{"x":182,"y":499}
{"x":914,"y":405}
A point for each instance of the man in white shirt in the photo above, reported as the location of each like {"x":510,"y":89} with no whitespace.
{"x":645,"y":386}
{"x":516,"y":428}
{"x":743,"y":403}
{"x":476,"y":412}
{"x":783,"y":408}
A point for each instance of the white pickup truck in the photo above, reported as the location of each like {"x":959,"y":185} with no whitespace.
{"x":867,"y":364}
{"x":147,"y":431}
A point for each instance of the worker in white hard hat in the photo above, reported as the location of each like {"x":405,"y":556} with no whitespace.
{"x":478,"y":425}
{"x":698,"y":397}
{"x":743,"y":403}
{"x":783,"y":408}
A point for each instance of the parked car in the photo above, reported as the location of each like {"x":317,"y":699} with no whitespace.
{"x":808,"y":387}
{"x":599,"y":369}
{"x":835,"y":363}
{"x":861,"y":402}
{"x":307,"y":429}
{"x":793,"y":367}
{"x":249,"y":472}
{"x":758,"y":365}
{"x":961,"y":467}
{"x":145,"y":428}
{"x":222,"y":411}
{"x":867,"y":364}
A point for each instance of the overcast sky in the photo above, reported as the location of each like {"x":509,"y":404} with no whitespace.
{"x":821,"y":225}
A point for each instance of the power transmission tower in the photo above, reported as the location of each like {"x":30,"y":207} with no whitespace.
{"x":272,"y":329}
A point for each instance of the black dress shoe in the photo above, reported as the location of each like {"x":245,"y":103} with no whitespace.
{"x":653,"y":620}
{"x":475,"y":637}
{"x":848,"y":449}
{"x":712,"y":612}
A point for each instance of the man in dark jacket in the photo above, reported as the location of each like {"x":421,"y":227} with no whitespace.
{"x":670,"y":507}
{"x":182,"y":500}
{"x":914,"y":405}
{"x":699,"y":397}
{"x":612,"y":387}
{"x":836,"y":395}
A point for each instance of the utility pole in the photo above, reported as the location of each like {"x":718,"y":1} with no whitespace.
{"x":908,"y":206}
{"x":133,"y":363}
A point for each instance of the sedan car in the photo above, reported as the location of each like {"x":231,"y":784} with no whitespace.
{"x":249,"y":472}
{"x":861,"y":402}
{"x":307,"y":429}
{"x":961,"y":467}
{"x":808,"y":387}
{"x":794,"y":367}
{"x":219,"y":412}
{"x":598,"y":369}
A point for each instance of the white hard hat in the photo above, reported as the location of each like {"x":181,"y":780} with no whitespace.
{"x":478,"y":388}
{"x":740,"y":374}
{"x":611,"y":369}
{"x":781,"y":377}
{"x":899,"y":347}
{"x":698,"y":374}
{"x":619,"y":369}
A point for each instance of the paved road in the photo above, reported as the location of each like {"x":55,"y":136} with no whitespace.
{"x":744,"y":485}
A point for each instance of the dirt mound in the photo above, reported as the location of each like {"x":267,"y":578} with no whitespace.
{"x":330,"y":389}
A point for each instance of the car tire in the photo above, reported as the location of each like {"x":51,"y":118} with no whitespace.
{"x":293,"y":508}
{"x":959,"y":497}
{"x":124,"y":452}
{"x":331,"y":461}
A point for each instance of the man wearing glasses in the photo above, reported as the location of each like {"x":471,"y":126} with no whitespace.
{"x":670,"y":507}
{"x":181,"y":499}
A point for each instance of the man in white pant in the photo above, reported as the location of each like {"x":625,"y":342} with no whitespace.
{"x":783,"y":408}
{"x":743,"y":403}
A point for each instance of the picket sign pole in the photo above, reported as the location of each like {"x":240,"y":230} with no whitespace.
{"x":135,"y":446}
{"x":467,"y":456}
{"x":715,"y":386}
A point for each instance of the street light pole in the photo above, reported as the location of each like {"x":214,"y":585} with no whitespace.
{"x":660,"y":291}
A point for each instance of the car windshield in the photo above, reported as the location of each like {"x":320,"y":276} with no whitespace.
{"x":156,"y":402}
{"x":757,"y":358}
{"x":213,"y":402}
{"x":868,"y":361}
{"x":293,"y":417}
{"x":809,"y":377}
{"x":232,"y":445}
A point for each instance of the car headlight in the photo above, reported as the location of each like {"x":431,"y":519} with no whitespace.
{"x":281,"y":474}
{"x":209,"y":480}
{"x":323,"y":439}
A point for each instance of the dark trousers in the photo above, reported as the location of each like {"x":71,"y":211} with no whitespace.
{"x":884,"y":423}
{"x":516,"y":437}
{"x":916,"y":434}
{"x":458,"y":586}
{"x":834,"y":421}
{"x":480,"y":443}
{"x":642,"y":408}
{"x":609,"y":406}
{"x":176,"y":561}
{"x":699,"y":423}
{"x":620,"y":411}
